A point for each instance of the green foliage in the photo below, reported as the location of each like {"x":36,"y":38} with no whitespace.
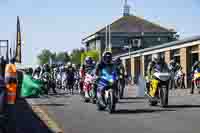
{"x":44,"y":56}
{"x":76,"y":56}
{"x":63,"y":57}
{"x":93,"y":53}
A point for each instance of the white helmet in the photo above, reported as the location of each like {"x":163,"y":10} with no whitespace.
{"x":155,"y":57}
{"x":73,"y":65}
{"x":69,"y":64}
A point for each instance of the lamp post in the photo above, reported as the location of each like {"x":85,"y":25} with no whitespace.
{"x":129,"y":46}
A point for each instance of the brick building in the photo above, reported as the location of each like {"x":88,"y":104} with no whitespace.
{"x":187,"y":51}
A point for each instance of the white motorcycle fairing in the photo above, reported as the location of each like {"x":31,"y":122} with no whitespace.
{"x":162,"y":76}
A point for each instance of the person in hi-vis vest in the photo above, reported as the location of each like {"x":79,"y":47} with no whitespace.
{"x":11,"y":82}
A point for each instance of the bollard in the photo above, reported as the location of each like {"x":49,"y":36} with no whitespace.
{"x":141,"y":87}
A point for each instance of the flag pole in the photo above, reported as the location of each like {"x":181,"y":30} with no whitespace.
{"x":110,"y":43}
{"x":106,"y":37}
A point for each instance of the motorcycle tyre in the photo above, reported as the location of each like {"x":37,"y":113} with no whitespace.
{"x":164,"y":97}
{"x":93,"y":101}
{"x":86,"y":100}
{"x":92,"y":97}
{"x":111,"y":103}
{"x":99,"y":106}
{"x":153,"y":103}
{"x":121,"y":93}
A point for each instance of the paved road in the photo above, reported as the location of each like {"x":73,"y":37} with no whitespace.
{"x":27,"y":121}
{"x":133,"y":115}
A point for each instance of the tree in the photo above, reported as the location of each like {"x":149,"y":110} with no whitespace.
{"x":63,"y":57}
{"x":76,"y":56}
{"x":45,"y":56}
{"x":92,"y":53}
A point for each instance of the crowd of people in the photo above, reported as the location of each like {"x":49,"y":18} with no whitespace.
{"x":70,"y":76}
{"x":57,"y":76}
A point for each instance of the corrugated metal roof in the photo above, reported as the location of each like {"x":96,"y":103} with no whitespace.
{"x":165,"y":45}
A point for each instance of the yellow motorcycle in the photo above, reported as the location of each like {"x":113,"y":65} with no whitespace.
{"x":158,"y":88}
{"x":196,"y":79}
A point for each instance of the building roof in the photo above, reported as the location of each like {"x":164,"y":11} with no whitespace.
{"x":133,"y":24}
{"x":165,"y":45}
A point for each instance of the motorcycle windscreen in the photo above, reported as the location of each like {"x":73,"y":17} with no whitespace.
{"x":109,"y":76}
{"x":102,"y":84}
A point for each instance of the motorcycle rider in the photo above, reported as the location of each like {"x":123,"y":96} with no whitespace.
{"x":157,"y":62}
{"x":85,"y":67}
{"x":70,"y":73}
{"x":46,"y":69}
{"x":174,"y":66}
{"x":76,"y":77}
{"x":36,"y":73}
{"x":194,"y":67}
{"x":105,"y":63}
{"x":121,"y":72}
{"x":57,"y":77}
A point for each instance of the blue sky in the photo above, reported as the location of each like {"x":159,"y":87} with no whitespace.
{"x":60,"y":24}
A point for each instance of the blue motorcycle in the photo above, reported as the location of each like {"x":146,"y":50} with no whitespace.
{"x":106,"y":88}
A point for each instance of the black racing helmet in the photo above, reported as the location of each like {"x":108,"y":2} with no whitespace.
{"x":107,"y":57}
{"x":118,"y":60}
{"x":12,"y":60}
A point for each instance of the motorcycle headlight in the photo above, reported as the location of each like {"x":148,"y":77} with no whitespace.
{"x":197,"y":75}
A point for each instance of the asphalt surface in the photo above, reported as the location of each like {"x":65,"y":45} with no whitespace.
{"x":27,"y":121}
{"x":132,"y":115}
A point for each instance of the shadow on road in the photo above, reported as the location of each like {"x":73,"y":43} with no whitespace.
{"x":53,"y":104}
{"x":124,"y":102}
{"x":183,"y":106}
{"x":127,"y":98}
{"x":135,"y":111}
{"x":27,"y":121}
{"x":66,"y":95}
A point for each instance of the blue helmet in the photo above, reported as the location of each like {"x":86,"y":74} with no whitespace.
{"x":88,"y":60}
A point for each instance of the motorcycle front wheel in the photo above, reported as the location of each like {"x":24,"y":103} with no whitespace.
{"x":163,"y":96}
{"x":99,"y":105}
{"x":111,"y":102}
{"x":153,"y":103}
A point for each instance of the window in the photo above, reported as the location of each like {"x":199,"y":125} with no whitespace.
{"x":175,"y":52}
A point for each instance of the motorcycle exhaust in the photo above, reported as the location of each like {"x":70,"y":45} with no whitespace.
{"x":146,"y":94}
{"x":150,"y":97}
